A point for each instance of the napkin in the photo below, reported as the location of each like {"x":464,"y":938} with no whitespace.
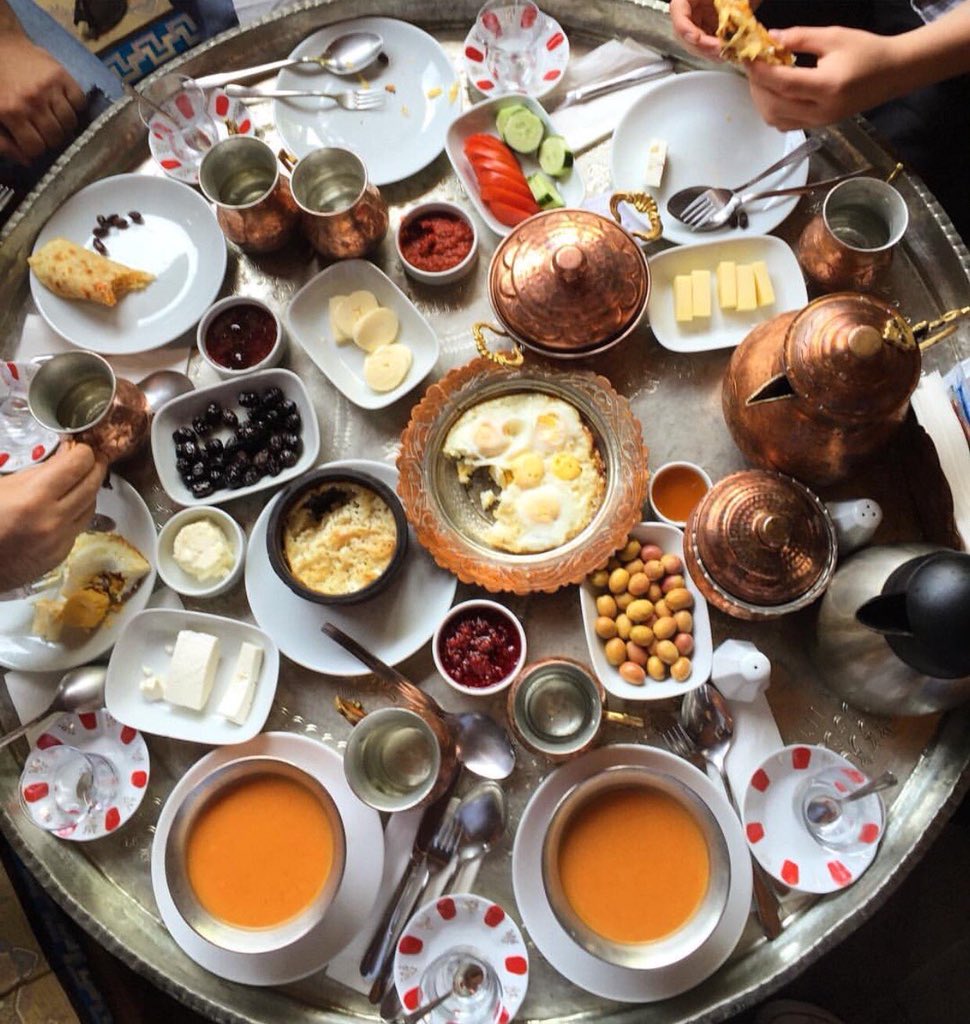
{"x":251,"y":10}
{"x":38,"y":339}
{"x":585,"y":124}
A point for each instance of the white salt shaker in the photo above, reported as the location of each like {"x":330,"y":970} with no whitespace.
{"x":740,"y":671}
{"x":855,"y":522}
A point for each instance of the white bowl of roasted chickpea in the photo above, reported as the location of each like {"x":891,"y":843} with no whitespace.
{"x":646,"y":623}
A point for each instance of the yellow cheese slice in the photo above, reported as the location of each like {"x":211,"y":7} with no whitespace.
{"x":358,"y":304}
{"x":337,"y":317}
{"x":727,"y":284}
{"x":385,"y":368}
{"x":683,"y":298}
{"x":701,"y":293}
{"x":762,"y":283}
{"x":747,"y":292}
{"x":375,"y":329}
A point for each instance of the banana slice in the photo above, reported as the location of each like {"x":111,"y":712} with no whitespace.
{"x":336,"y":317}
{"x":387,"y":367}
{"x":375,"y":329}
{"x":357,"y":305}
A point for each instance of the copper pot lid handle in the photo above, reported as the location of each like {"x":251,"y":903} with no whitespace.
{"x":763,"y":538}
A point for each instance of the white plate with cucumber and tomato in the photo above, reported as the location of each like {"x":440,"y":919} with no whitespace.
{"x":512,"y":161}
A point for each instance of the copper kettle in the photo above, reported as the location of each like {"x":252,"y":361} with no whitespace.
{"x":816,"y":392}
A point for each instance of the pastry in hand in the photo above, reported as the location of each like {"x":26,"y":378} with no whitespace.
{"x":744,"y":38}
{"x":73,"y":272}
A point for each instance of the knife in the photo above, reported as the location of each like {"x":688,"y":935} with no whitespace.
{"x":656,"y":69}
{"x":377,"y":956}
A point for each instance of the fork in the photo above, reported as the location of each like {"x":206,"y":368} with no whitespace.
{"x":6,"y":194}
{"x":349,"y":99}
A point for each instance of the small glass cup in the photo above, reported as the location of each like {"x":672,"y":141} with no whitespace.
{"x":511,"y":30}
{"x":61,"y":786}
{"x":831,"y":821}
{"x":439,"y":976}
{"x":174,"y":108}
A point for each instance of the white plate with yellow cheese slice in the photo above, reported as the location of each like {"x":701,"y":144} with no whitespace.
{"x":710,"y":295}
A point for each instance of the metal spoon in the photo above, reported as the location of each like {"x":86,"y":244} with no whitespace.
{"x":81,"y":689}
{"x":481,"y":744}
{"x":164,"y":385}
{"x":481,"y":816}
{"x":467,"y":981}
{"x":823,"y":810}
{"x":346,"y":55}
{"x":708,"y":721}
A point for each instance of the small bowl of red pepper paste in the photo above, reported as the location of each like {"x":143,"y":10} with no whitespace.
{"x":479,"y":647}
{"x":437,"y":243}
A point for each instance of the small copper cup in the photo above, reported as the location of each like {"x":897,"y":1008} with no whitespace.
{"x":850,"y":243}
{"x":78,"y":395}
{"x":343,"y":215}
{"x":254,"y":204}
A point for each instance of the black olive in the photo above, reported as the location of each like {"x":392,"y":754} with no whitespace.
{"x":248,"y":399}
{"x":272,"y":396}
{"x":287,"y":458}
{"x":183,"y":466}
{"x":245,"y":434}
{"x":229,"y":418}
{"x":252,"y":476}
{"x":213,"y":446}
{"x":276,"y":444}
{"x":189,"y":450}
{"x":261,"y":458}
{"x":202,"y":488}
{"x":217,"y":476}
{"x":182,"y":435}
{"x":213,"y":413}
{"x":293,"y":422}
{"x":271,"y":415}
{"x":201,"y":426}
{"x":241,"y":457}
{"x":273,"y":465}
{"x":234,"y":476}
{"x":291,"y":441}
{"x":287,"y":406}
{"x":231,"y":446}
{"x":217,"y":461}
{"x":199,"y":470}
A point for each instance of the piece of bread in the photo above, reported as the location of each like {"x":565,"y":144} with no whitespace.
{"x":744,"y":38}
{"x":73,"y":272}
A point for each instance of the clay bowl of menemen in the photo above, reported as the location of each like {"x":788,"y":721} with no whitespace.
{"x":226,"y":857}
{"x":636,"y":868}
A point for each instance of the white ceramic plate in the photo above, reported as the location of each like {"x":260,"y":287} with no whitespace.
{"x":355,"y":897}
{"x":179,"y":412}
{"x":778,"y":836}
{"x":20,"y":649}
{"x":552,"y":56}
{"x":400,"y":138}
{"x":393,"y":625}
{"x":554,"y":942}
{"x":714,"y":136}
{"x":179,"y":242}
{"x":308,"y":321}
{"x":725,"y":328}
{"x":143,"y":646}
{"x":672,"y":541}
{"x":481,"y":119}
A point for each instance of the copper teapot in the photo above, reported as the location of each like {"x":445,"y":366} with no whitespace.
{"x":816,"y":392}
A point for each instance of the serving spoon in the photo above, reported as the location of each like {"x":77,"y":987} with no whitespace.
{"x":81,"y":689}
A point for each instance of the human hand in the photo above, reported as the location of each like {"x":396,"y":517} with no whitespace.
{"x":695,"y":22}
{"x":39,"y":100}
{"x":854,"y":72}
{"x":43,"y":509}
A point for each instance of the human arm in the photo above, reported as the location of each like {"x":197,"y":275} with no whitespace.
{"x":42,"y":510}
{"x":39,"y":100}
{"x":856,"y":71}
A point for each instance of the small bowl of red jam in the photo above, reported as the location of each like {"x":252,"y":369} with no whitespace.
{"x":238,"y":335}
{"x":437,"y":243}
{"x":479,"y":647}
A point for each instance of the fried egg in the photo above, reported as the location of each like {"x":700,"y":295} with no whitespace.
{"x":548,"y":476}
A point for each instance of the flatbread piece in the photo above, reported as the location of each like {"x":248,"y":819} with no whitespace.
{"x":73,"y":272}
{"x":744,"y":38}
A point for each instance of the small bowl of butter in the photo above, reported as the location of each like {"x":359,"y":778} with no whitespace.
{"x":201,"y":551}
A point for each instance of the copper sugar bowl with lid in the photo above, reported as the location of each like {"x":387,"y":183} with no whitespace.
{"x":759,"y":545}
{"x":569,"y":283}
{"x":816,"y":392}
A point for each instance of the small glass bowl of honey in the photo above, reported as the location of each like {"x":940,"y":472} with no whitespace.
{"x":675,"y":488}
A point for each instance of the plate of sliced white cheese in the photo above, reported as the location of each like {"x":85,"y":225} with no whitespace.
{"x":711,"y":295}
{"x":191,"y":676}
{"x":363,"y":332}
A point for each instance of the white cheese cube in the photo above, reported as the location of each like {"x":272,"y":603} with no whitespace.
{"x":701,"y":293}
{"x":683,"y":298}
{"x":238,"y":698}
{"x":193,"y":670}
{"x":151,"y":687}
{"x":656,"y":161}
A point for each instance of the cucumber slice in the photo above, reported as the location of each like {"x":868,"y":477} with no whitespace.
{"x":524,"y":131}
{"x":555,"y":156}
{"x":545,"y":193}
{"x":502,"y":119}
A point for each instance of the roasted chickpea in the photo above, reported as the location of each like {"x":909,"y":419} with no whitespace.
{"x":639,"y":584}
{"x":619,"y":578}
{"x":605,"y":627}
{"x":634,"y":567}
{"x":674,"y":582}
{"x":615,"y":651}
{"x":606,"y":605}
{"x":677,"y":600}
{"x":654,"y":570}
{"x":684,"y":643}
{"x":631,"y":672}
{"x":662,"y":608}
{"x":636,"y":653}
{"x":643,"y":635}
{"x":664,"y":628}
{"x":639,"y":611}
{"x":656,"y":669}
{"x":671,"y":564}
{"x":651,"y":552}
{"x":599,"y":578}
{"x":681,"y":669}
{"x":623,"y":627}
{"x":624,"y":600}
{"x":630,"y":550}
{"x":685,"y":621}
{"x":667,"y":652}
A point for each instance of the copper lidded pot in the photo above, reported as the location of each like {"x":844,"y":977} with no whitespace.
{"x":569,"y":283}
{"x":816,"y":392}
{"x":760,"y":545}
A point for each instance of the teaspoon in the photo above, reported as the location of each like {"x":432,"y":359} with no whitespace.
{"x":81,"y":689}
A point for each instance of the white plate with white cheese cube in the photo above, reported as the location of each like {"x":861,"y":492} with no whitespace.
{"x":202,"y":688}
{"x":724,"y":328}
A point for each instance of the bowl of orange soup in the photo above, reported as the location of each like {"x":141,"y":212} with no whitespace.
{"x":255,"y":855}
{"x":636,"y":868}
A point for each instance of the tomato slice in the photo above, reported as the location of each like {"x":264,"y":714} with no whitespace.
{"x":488,"y":141}
{"x":508,"y":215}
{"x":484,"y":165}
{"x":498,"y":194}
{"x":518,"y":186}
{"x":482,"y":147}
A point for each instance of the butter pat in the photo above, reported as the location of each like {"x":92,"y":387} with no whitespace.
{"x":762,"y":283}
{"x":203,"y":551}
{"x":747,"y":291}
{"x":193,"y":670}
{"x":683,"y":298}
{"x":656,"y":161}
{"x":701,"y":293}
{"x":727,"y":284}
{"x":238,"y":698}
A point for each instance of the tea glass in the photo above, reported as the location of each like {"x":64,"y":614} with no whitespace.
{"x":511,"y":31}
{"x":847,"y":831}
{"x":701,"y":476}
{"x":254,"y":205}
{"x":438,"y":978}
{"x":61,"y":786}
{"x":850,"y":243}
{"x":174,"y":108}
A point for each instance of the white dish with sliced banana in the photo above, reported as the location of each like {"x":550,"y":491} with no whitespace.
{"x":692,"y":307}
{"x":363,"y":333}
